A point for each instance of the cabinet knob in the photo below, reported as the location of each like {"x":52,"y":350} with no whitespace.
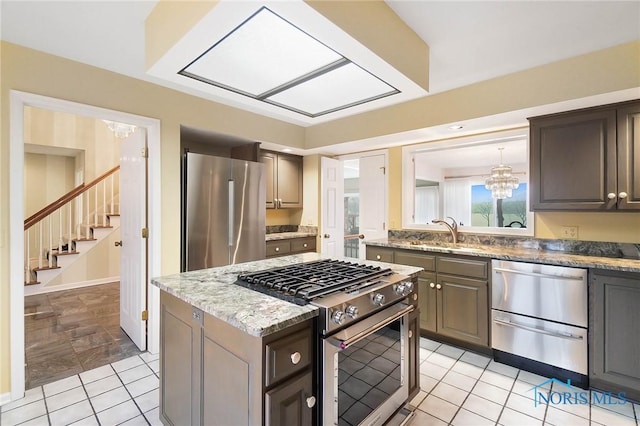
{"x":378,"y":257}
{"x":432,"y":285}
{"x":439,"y":287}
{"x":277,"y":249}
{"x":611,"y":195}
{"x":410,"y":334}
{"x":415,"y":296}
{"x":311,"y":401}
{"x":295,"y":358}
{"x":304,"y":245}
{"x":622,"y":195}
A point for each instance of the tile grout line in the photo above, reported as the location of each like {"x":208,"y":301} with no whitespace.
{"x":129,"y":393}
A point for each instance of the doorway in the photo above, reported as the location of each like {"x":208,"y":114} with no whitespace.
{"x":18,"y":101}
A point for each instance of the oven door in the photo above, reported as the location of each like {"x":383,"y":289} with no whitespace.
{"x":365,"y":369}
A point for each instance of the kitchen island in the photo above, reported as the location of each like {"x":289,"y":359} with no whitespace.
{"x":230,"y":355}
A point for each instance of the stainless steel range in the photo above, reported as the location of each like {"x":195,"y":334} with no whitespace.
{"x":363,"y":334}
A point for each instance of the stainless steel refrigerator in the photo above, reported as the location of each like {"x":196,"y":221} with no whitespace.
{"x":224,"y":211}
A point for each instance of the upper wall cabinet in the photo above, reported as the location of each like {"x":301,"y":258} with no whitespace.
{"x":284,"y":180}
{"x":586,"y":159}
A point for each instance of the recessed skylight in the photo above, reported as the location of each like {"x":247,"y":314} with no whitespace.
{"x":269,"y":59}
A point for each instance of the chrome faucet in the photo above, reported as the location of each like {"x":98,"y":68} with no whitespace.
{"x":453,"y":228}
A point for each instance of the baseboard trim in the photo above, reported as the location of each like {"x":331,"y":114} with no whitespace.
{"x":31,"y":290}
{"x":5,"y":398}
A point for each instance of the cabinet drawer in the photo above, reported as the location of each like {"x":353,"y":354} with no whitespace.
{"x":465,"y":267}
{"x":278,"y":247}
{"x":287,"y":356}
{"x":303,"y":244}
{"x":426,"y":261}
{"x":380,"y":254}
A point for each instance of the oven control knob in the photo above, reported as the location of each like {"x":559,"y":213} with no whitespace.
{"x":408,"y":286}
{"x":401,"y":288}
{"x":338,"y":317}
{"x":352,"y":311}
{"x":378,"y":299}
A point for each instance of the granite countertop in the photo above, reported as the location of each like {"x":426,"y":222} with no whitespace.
{"x":213,"y":290}
{"x":515,"y":253}
{"x":288,"y":235}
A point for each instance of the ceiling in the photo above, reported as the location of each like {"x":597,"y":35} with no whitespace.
{"x":469,"y":41}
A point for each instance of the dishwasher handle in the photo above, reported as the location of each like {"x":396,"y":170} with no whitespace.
{"x":536,"y":330}
{"x":538,"y":274}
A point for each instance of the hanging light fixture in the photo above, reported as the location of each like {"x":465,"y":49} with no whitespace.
{"x":121,"y":130}
{"x":501,"y":183}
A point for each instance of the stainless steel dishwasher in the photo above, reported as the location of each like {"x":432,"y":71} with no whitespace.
{"x":539,"y":319}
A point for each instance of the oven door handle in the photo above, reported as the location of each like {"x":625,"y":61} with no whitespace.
{"x":537,"y":330}
{"x":343,"y":341}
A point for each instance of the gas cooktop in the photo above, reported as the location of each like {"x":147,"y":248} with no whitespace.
{"x":304,"y":282}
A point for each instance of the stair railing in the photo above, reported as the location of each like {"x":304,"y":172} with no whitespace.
{"x":54,"y":229}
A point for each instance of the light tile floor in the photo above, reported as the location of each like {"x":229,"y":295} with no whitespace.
{"x":458,"y":387}
{"x":122,"y":393}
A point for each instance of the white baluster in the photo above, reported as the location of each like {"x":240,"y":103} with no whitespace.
{"x":111,"y":206}
{"x":40,"y":244}
{"x":95,"y":205}
{"x":70,"y":212}
{"x":88,"y":216}
{"x":27,"y":269}
{"x":60,"y":242}
{"x":50,"y":242}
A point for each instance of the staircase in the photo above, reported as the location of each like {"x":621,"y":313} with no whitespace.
{"x":65,"y":230}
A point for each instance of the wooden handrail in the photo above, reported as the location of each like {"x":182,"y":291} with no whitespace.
{"x":46,"y":211}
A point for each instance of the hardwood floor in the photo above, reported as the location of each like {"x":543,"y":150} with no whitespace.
{"x":71,"y":331}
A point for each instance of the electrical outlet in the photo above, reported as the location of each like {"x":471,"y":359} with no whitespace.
{"x":569,"y":232}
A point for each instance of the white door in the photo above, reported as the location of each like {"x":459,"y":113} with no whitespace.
{"x":373,"y":200}
{"x":332,"y":205}
{"x":133,"y":254}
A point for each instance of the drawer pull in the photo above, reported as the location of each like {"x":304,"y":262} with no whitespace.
{"x":438,"y":286}
{"x":378,"y":257}
{"x":432,"y":285}
{"x":305,"y":245}
{"x":622,"y":195}
{"x":311,"y":401}
{"x":538,"y":330}
{"x":295,"y":358}
{"x":277,"y":249}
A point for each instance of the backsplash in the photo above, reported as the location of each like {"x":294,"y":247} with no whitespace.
{"x":588,"y":248}
{"x":276,"y":229}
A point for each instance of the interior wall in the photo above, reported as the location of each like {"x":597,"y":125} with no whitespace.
{"x":283,"y":217}
{"x":46,"y":178}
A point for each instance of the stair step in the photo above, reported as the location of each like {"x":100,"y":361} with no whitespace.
{"x":100,"y":226}
{"x":84,"y":239}
{"x":45,"y":268}
{"x":32,"y":283}
{"x":113,"y":214}
{"x":64,"y":253}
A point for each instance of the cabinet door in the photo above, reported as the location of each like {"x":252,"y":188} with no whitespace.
{"x":573,"y":161}
{"x":289,"y":181}
{"x":629,"y":157}
{"x":463,"y":309}
{"x":427,"y":301}
{"x":615,"y":340}
{"x":288,"y":404}
{"x":269,"y":161}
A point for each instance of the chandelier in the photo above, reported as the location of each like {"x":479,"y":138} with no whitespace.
{"x":501,"y":183}
{"x":121,"y":130}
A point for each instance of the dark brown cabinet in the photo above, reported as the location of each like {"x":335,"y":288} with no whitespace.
{"x":284,"y":180}
{"x":414,"y":354}
{"x":586,"y":159}
{"x":213,"y":373}
{"x":453,"y":292}
{"x":614,"y":335}
{"x":288,"y":246}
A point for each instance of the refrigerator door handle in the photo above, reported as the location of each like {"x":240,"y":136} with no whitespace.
{"x":231,"y":211}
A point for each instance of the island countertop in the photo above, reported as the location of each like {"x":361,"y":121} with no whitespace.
{"x":214,"y":292}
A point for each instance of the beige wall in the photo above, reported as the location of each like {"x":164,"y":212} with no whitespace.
{"x":46,"y":178}
{"x":31,"y":71}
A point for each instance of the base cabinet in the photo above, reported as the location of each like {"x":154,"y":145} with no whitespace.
{"x":615,"y":339}
{"x":212,"y":373}
{"x":285,"y":247}
{"x":453,"y":292}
